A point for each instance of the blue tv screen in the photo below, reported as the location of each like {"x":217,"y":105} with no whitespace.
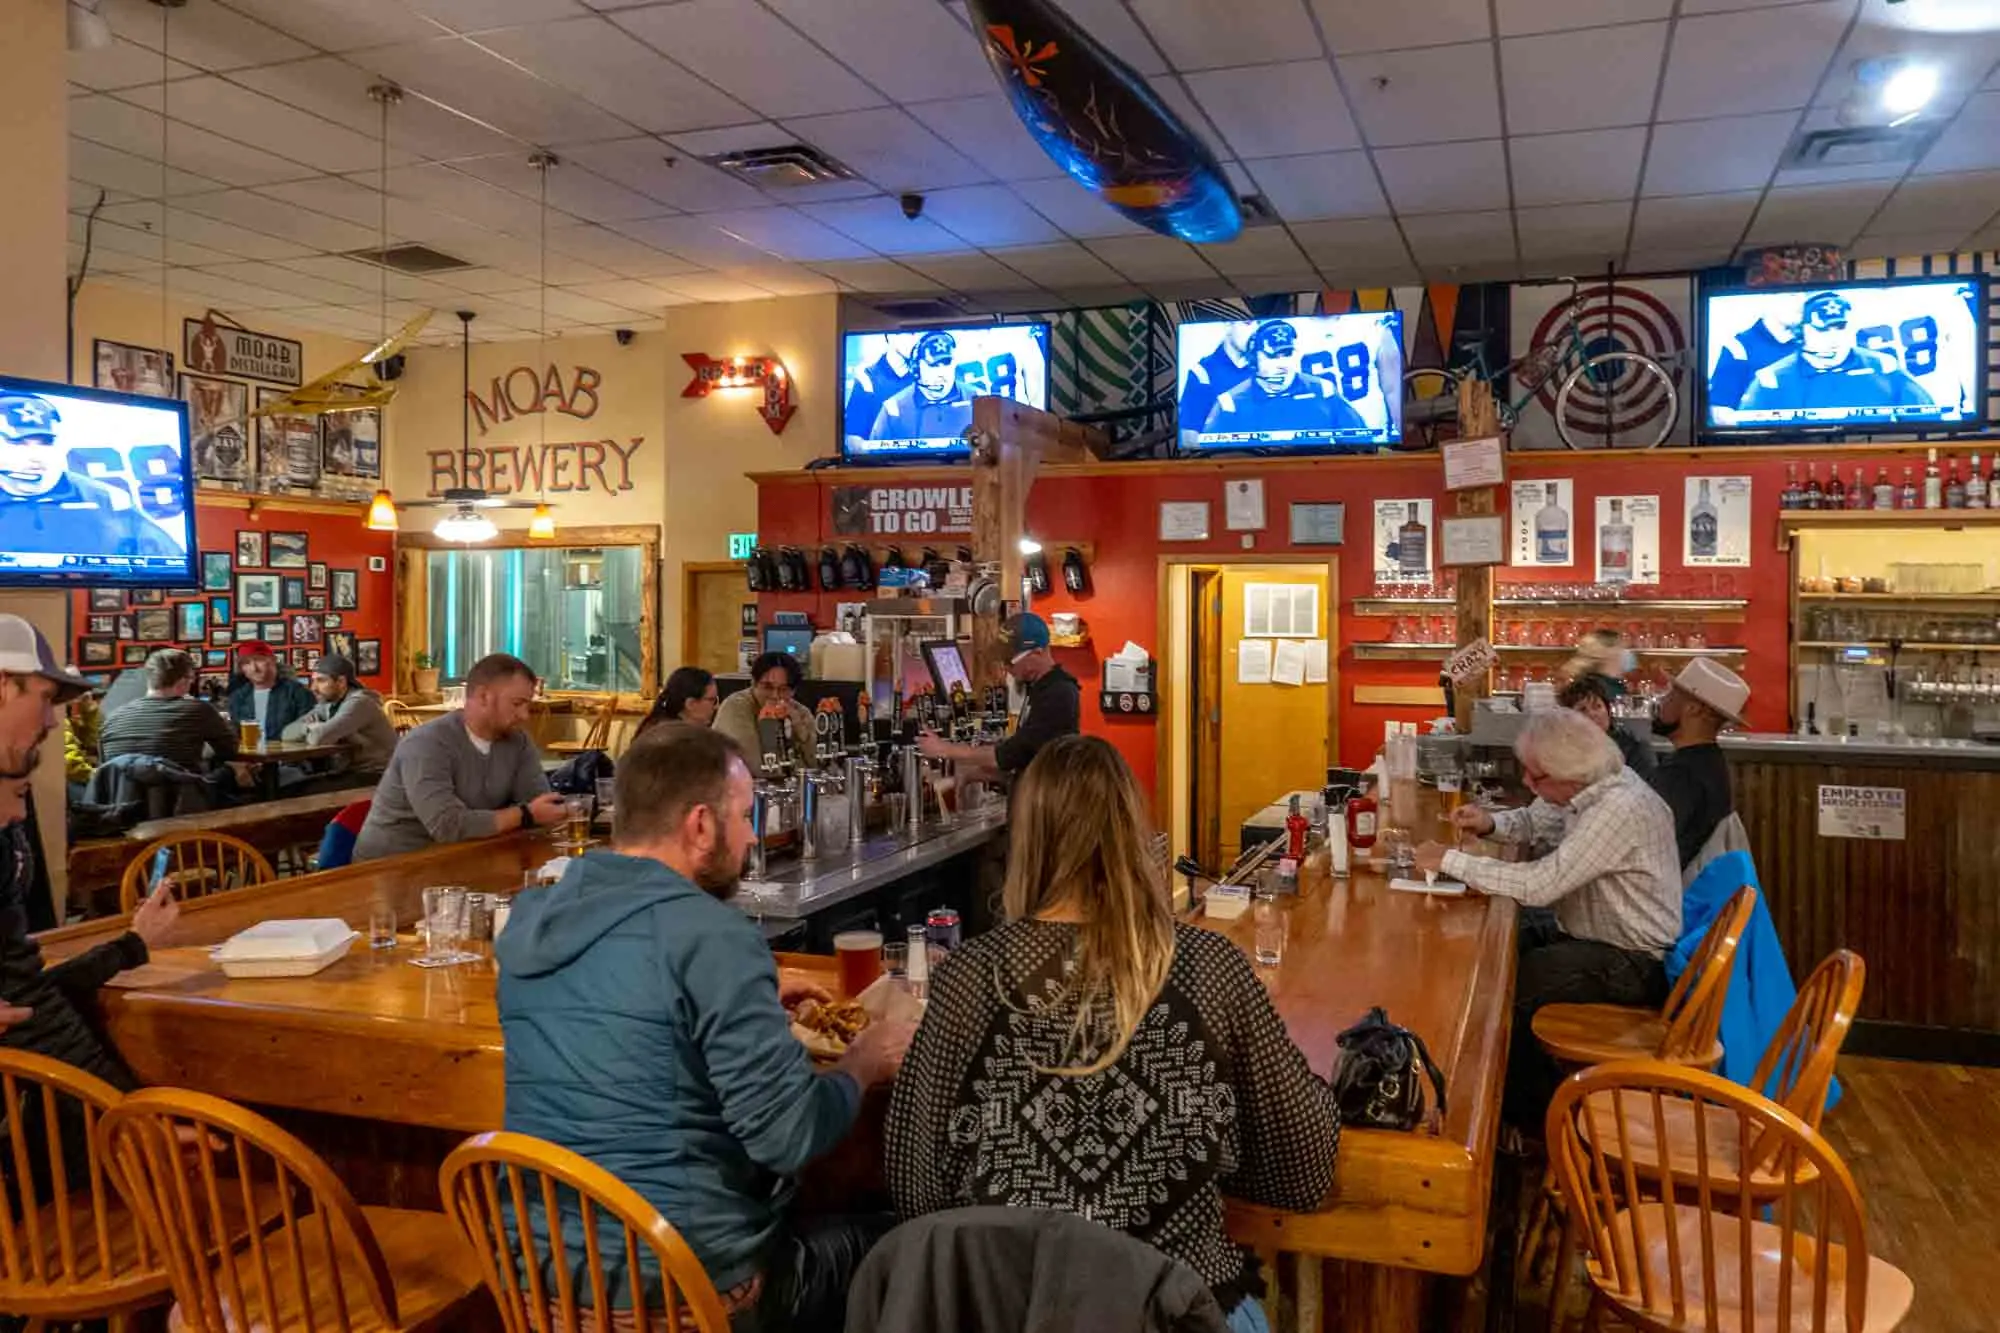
{"x":1298,"y":383}
{"x":908,"y":392}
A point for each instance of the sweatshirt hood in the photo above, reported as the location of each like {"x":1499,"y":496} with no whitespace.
{"x":550,"y":927}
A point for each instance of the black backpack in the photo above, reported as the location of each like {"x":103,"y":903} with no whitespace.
{"x":1379,"y":1082}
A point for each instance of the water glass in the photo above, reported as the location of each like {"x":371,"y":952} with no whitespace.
{"x":444,"y":921}
{"x":381,"y":925}
{"x":1268,"y":915}
{"x":606,"y":799}
{"x":896,"y":958}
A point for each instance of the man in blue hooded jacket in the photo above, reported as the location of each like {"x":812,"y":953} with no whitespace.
{"x":646,"y":1030}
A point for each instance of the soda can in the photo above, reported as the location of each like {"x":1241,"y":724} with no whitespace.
{"x":942,"y":927}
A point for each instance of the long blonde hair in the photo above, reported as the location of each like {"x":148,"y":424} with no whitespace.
{"x":1082,"y":841}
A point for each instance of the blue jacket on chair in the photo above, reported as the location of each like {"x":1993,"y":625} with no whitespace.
{"x":1760,"y":986}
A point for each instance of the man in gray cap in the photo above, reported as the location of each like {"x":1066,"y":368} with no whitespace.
{"x":347,"y":713}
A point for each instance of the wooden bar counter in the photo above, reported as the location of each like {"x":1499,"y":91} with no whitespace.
{"x":374,"y":1043}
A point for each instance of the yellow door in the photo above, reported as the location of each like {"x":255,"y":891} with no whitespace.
{"x":715,"y":617}
{"x":1273,"y":734}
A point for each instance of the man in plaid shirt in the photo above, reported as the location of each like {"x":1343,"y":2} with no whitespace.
{"x":1605,"y":861}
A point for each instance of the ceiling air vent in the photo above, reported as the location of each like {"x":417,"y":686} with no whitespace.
{"x":1861,"y":145}
{"x":1257,"y":210}
{"x":415,"y":259}
{"x":783,"y":168}
{"x":921,"y":308}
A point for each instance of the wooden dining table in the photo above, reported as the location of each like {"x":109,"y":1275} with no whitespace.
{"x":267,"y":756}
{"x":384,"y":1065}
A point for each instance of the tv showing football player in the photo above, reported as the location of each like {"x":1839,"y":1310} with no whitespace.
{"x":1319,"y":383}
{"x":94,"y":488}
{"x":909,"y":392}
{"x":1865,"y":355}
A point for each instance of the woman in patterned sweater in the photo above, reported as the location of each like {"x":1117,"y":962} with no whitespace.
{"x":1095,"y":1057}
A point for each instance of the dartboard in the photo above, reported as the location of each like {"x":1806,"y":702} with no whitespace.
{"x":1614,"y":319}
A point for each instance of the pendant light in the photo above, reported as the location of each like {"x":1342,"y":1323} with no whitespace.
{"x":463,"y":523}
{"x":382,"y":509}
{"x":542,"y":527}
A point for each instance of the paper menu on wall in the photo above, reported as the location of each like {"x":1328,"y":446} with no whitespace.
{"x":1315,"y":661}
{"x":1253,"y":662}
{"x":1288,"y":663}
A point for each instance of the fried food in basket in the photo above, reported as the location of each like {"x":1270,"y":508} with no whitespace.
{"x":826,"y":1027}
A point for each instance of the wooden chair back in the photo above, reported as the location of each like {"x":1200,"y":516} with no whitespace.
{"x":1699,"y":1256}
{"x":599,"y":735}
{"x":67,"y":1249}
{"x":1797,"y":1067}
{"x":400,"y":716}
{"x":503,"y":1189}
{"x":1693,"y":1012}
{"x":202,"y":862}
{"x":316,"y":1267}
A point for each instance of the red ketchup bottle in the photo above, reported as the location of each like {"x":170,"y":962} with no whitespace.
{"x":1361,"y":821}
{"x":1295,"y":833}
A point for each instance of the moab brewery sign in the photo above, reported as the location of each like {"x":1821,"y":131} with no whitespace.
{"x":523,"y":392}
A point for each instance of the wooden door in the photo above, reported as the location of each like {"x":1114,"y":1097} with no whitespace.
{"x":1204,"y":718}
{"x":1273,"y":737}
{"x":713,"y":608}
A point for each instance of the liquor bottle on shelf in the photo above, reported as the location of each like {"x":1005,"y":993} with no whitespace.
{"x":1836,"y":492}
{"x":1413,"y":545}
{"x":1614,"y":546}
{"x":1551,"y":531}
{"x":1933,"y":483}
{"x":1885,"y":494}
{"x":1993,"y":485}
{"x":1702,"y":523}
{"x":1906,"y":496}
{"x":1975,"y":487}
{"x":1813,"y":495}
{"x":1792,"y":497}
{"x":1858,"y":495}
{"x":1954,"y":488}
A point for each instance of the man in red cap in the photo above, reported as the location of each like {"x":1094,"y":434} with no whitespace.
{"x":263,"y":694}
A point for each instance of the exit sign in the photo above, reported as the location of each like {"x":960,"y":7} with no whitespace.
{"x":741,"y":544}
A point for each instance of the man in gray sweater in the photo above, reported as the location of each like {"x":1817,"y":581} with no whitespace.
{"x":469,"y":774}
{"x":346,"y":714}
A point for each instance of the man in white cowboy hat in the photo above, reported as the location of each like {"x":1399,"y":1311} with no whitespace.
{"x":1694,"y":780}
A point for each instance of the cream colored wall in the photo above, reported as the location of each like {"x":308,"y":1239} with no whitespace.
{"x":134,"y":314}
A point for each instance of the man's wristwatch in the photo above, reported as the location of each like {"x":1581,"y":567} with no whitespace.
{"x":527,"y":814}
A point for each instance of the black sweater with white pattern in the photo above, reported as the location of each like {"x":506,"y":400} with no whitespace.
{"x":1210,"y":1098}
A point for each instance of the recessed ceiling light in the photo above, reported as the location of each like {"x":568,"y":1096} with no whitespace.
{"x":1909,"y":90}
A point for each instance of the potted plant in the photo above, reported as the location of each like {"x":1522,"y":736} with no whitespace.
{"x":424,"y":674}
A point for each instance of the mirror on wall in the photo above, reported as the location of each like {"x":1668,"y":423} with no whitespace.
{"x":576,"y":614}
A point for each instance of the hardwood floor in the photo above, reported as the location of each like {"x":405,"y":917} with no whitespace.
{"x":1923,"y":1144}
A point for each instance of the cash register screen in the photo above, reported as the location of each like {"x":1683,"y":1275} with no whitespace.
{"x":793,"y":639}
{"x":947,"y":666}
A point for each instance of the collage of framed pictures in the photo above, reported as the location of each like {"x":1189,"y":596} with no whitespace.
{"x":219,"y":428}
{"x":128,"y":369}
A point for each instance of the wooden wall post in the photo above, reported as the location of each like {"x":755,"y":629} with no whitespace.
{"x":1477,"y":417}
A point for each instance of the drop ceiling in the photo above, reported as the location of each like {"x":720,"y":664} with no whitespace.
{"x":1439,"y":140}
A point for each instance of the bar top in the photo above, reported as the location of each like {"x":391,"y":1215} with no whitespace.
{"x":1915,"y":751}
{"x":797,"y":888}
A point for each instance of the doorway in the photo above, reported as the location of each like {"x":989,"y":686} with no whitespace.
{"x":1249,"y":694}
{"x":713,"y":595}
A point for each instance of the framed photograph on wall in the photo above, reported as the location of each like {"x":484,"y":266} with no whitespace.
{"x":127,"y":628}
{"x":215,"y":571}
{"x":221,"y":638}
{"x":287,"y":447}
{"x":344,"y":643}
{"x":315,"y":601}
{"x":274,"y":631}
{"x":331,"y":620}
{"x":219,"y":427}
{"x":149,"y":597}
{"x":369,"y":662}
{"x":218,"y":610}
{"x":316,"y":576}
{"x":287,"y":550}
{"x":351,"y":444}
{"x":378,"y":564}
{"x":302,"y":660}
{"x":346,"y":590}
{"x":107,"y":599}
{"x":99,"y":652}
{"x":156,"y":624}
{"x":250,"y":550}
{"x":259,"y":594}
{"x":295,"y":594}
{"x":133,"y":654}
{"x":215,"y":657}
{"x":193,"y":621}
{"x":106,"y":625}
{"x":305,"y":629}
{"x":130,"y":369}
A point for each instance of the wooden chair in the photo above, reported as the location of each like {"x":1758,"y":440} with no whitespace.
{"x":598,"y":737}
{"x":1682,"y":1033}
{"x":400,"y":716}
{"x":493,"y":1182}
{"x":326,"y":1265}
{"x":1696,"y":1257}
{"x":201,"y":863}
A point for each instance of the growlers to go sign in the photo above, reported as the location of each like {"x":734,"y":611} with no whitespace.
{"x":902,"y":511}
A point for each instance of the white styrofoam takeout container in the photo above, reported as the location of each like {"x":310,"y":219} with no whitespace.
{"x":285,"y":948}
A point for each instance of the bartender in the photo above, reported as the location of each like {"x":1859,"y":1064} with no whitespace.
{"x":774,"y":679}
{"x":1053,"y":708}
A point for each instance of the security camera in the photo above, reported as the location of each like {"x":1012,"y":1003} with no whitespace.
{"x":624,"y":337}
{"x":913,"y":206}
{"x":390,"y":368}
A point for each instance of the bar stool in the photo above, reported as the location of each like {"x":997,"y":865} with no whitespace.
{"x":1664,"y":1254}
{"x":497,"y":1183}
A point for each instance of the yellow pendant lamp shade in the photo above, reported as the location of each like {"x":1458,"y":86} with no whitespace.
{"x":542,"y":527}
{"x":382,"y":513}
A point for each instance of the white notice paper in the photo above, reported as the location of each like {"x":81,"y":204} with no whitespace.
{"x":1873,"y":813}
{"x":1478,"y":539}
{"x":1253,"y":662}
{"x":1288,"y":665}
{"x":1470,"y":463}
{"x":1315,"y":661}
{"x":1243,"y":506}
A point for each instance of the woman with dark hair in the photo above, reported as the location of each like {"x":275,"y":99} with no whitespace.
{"x":1593,"y":683}
{"x":690,"y":697}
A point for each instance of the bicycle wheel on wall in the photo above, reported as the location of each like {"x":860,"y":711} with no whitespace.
{"x":1430,"y":407}
{"x":1617,"y":400}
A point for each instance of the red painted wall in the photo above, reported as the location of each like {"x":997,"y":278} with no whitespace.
{"x":1119,"y":513}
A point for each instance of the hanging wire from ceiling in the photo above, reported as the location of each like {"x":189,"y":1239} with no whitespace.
{"x":543,"y":525}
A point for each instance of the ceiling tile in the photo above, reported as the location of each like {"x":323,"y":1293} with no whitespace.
{"x":1075,"y":209}
{"x":1708,"y":156}
{"x":985,"y":129}
{"x":110,"y":261}
{"x":1322,"y":185}
{"x":573,"y":188}
{"x":1442,"y":240}
{"x":136,"y":130}
{"x":988,"y":216}
{"x":480,"y":15}
{"x":1576,"y":168}
{"x":1576,"y":230}
{"x":1055,"y":266}
{"x":877,"y":275}
{"x":642,"y":165}
{"x":784,"y":279}
{"x":283,"y":278}
{"x":1959,"y":56}
{"x":1969,"y":143}
{"x":1826,"y":118}
{"x":1428,"y":96}
{"x":695,"y":239}
{"x":1648,"y":260}
{"x":1111,"y":23}
{"x":475,"y":82}
{"x":1146,"y":259}
{"x":1170,"y":91}
{"x":1908,"y":245}
{"x":144,"y":242}
{"x":358,"y":202}
{"x":715,"y":287}
{"x":127,"y":172}
{"x":314,"y":231}
{"x":729,"y":138}
{"x":458,"y":194}
{"x":1755,"y":60}
{"x":1085,"y":298}
{"x":341,"y":272}
{"x":123,"y":64}
{"x":1354,"y":28}
{"x":970,"y":273}
{"x":338,"y":91}
{"x":566,"y":303}
{"x":1352,"y":244}
{"x":1256,"y":252}
{"x":788,"y":233}
{"x":1939,"y":203}
{"x":341,"y":25}
{"x":224,"y":108}
{"x":880,"y":225}
{"x":1445,"y":178}
{"x":1827,"y":214}
{"x":603,"y":65}
{"x":491,"y":282}
{"x":208,"y":37}
{"x":1582,"y":80}
{"x":224,"y":239}
{"x":1276,"y":110}
{"x":889,"y":147}
{"x":910,"y":49}
{"x":750,"y":54}
{"x":1200,"y":34}
{"x":1520,"y":17}
{"x":1694,"y":220}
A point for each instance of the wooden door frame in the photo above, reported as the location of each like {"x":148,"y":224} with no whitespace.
{"x":689,"y":570}
{"x":1171,"y":709}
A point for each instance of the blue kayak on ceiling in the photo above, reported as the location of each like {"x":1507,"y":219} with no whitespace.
{"x":1096,"y":117}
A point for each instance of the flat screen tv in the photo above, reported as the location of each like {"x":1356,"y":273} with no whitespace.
{"x":1864,"y":356}
{"x":908,"y":392}
{"x":95,"y":488}
{"x":1294,"y":383}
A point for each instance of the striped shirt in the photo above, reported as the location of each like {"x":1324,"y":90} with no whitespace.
{"x":170,"y":729}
